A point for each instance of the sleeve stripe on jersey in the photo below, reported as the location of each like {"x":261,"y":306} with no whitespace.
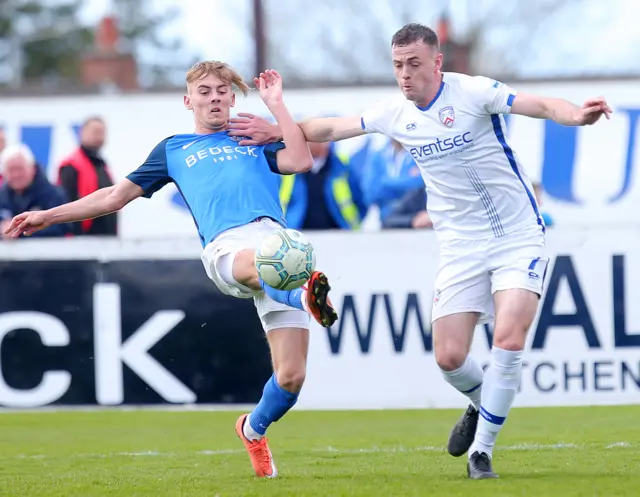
{"x":362,"y":124}
{"x":271,"y":154}
{"x":510,"y":100}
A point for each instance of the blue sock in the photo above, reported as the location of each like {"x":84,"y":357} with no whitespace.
{"x":275,"y":402}
{"x":292,"y":298}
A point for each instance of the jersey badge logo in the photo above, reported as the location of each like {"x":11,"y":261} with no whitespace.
{"x":239,"y":138}
{"x":411,"y":126}
{"x":447,"y":116}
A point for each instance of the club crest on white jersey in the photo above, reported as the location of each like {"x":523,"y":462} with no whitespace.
{"x":447,"y":116}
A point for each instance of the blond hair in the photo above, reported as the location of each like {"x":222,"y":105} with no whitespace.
{"x":221,"y":70}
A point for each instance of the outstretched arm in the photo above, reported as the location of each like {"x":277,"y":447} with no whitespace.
{"x":560,"y":110}
{"x":321,"y":129}
{"x":332,"y":129}
{"x":375,"y":119}
{"x":99,"y":203}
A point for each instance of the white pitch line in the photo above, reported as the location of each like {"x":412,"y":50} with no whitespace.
{"x":618,"y":444}
{"x":333,"y":450}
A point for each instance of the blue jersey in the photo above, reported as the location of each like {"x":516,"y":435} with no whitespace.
{"x":223,"y":184}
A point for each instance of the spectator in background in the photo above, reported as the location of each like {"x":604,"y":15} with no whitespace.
{"x":409,"y":212}
{"x":327,"y":197}
{"x":26,"y":188}
{"x":392,"y":181}
{"x":3,"y":144}
{"x":84,"y":172}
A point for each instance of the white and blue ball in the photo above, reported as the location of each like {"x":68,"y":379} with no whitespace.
{"x":285,"y":259}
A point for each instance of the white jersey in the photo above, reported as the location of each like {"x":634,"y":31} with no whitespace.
{"x":476,"y":187}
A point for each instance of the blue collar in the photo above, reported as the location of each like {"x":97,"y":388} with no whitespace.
{"x":430,"y":104}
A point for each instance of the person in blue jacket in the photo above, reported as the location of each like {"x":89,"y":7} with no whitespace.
{"x":26,"y":188}
{"x":327,"y":197}
{"x":390,"y":173}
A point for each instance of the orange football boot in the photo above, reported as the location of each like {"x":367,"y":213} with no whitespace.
{"x":259,"y":453}
{"x":317,"y":300}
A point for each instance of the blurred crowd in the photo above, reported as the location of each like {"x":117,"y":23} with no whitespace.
{"x":378,"y":182}
{"x":24,"y":185}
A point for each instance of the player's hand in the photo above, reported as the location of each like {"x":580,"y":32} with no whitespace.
{"x":270,"y":85}
{"x":258,"y":129}
{"x":592,"y":110}
{"x":421,"y":220}
{"x":3,"y":226}
{"x":26,"y":223}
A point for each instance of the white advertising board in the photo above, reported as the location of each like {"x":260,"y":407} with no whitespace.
{"x":583,"y":347}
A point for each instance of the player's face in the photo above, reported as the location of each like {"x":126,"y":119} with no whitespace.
{"x":417,"y":69}
{"x":211,"y":100}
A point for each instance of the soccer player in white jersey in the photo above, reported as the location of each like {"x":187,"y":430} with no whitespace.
{"x":491,"y":234}
{"x":232,"y":193}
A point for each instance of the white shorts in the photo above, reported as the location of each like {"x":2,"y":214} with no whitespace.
{"x":218,"y":257}
{"x":471,"y":271}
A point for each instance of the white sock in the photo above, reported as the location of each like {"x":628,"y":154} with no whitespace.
{"x":250,"y":433}
{"x":467,"y":379}
{"x":500,"y":385}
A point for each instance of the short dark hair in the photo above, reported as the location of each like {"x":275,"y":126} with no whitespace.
{"x":413,"y":33}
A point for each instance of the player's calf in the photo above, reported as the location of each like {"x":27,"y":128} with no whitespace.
{"x":251,"y":428}
{"x":452,"y":339}
{"x":452,"y":336}
{"x":515,"y":310}
{"x":467,"y":379}
{"x":288,"y":348}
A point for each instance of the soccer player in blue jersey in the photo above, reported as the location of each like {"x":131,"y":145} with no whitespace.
{"x":232,"y":192}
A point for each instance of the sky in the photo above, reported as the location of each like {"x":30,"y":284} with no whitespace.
{"x":582,"y":36}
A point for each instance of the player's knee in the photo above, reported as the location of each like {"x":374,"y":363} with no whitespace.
{"x":244,"y":269}
{"x":450,"y":359}
{"x":512,"y":339}
{"x":291,"y":377}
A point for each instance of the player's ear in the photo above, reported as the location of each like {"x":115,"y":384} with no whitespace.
{"x":187,"y":102}
{"x":233,"y":100}
{"x":439,"y":60}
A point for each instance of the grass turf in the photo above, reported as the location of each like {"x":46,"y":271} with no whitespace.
{"x":549,"y":452}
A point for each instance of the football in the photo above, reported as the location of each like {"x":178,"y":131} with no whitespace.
{"x":285,"y":259}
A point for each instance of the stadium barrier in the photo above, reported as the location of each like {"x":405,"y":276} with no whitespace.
{"x":113,"y":322}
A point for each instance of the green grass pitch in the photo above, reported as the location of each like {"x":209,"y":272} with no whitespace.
{"x":590,"y":451}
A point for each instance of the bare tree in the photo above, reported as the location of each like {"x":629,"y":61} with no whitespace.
{"x":503,"y":35}
{"x":338,"y":41}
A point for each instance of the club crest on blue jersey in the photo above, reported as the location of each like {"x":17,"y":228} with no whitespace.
{"x":239,"y":138}
{"x":447,"y":116}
